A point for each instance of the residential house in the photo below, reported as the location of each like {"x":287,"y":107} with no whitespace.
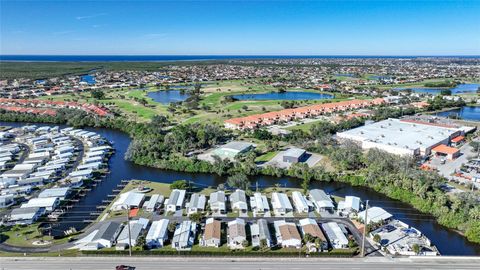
{"x":236,"y":234}
{"x":175,"y":201}
{"x":184,"y":235}
{"x":196,"y":204}
{"x":300,"y":202}
{"x":259,"y":232}
{"x":321,"y":200}
{"x":259,"y":204}
{"x":213,"y":233}
{"x":281,"y":204}
{"x":335,"y":235}
{"x":217,"y":202}
{"x":310,"y":226}
{"x":287,"y":234}
{"x":157,"y":234}
{"x":238,"y":201}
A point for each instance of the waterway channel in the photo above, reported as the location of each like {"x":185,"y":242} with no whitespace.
{"x":447,"y":241}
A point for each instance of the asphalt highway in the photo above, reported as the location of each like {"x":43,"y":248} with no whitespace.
{"x":146,"y":263}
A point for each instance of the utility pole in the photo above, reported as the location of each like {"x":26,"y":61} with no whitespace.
{"x":365,"y":228}
{"x":129,"y":236}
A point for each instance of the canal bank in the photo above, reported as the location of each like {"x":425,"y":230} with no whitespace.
{"x":447,"y":241}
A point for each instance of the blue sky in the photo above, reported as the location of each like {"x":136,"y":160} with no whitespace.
{"x":240,"y":27}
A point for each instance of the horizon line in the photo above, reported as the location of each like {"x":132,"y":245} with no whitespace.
{"x":415,"y":55}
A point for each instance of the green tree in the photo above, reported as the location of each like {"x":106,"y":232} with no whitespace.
{"x":416,"y":248}
{"x":263,"y":243}
{"x":98,"y":94}
{"x":308,"y":238}
{"x":238,"y":180}
{"x":172,"y":226}
{"x":196,"y":217}
{"x":179,"y":184}
{"x":377,"y":238}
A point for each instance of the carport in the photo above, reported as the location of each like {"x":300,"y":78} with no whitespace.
{"x":447,"y":151}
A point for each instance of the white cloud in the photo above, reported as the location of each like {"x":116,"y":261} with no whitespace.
{"x":90,"y":16}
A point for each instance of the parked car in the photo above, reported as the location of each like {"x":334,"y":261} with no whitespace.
{"x":124,"y":267}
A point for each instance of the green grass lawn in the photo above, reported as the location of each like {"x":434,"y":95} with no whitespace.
{"x":304,"y":127}
{"x":266,"y":157}
{"x":24,"y":236}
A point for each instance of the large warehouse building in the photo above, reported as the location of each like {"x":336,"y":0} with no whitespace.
{"x":404,"y":137}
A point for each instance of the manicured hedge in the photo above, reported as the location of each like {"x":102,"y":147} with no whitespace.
{"x":160,"y":252}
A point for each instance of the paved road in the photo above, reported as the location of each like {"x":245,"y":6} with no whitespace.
{"x":145,"y":263}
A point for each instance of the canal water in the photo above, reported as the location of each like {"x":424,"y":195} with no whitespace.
{"x":447,"y":241}
{"x":465,"y":112}
{"x":283,"y":96}
{"x":459,"y":89}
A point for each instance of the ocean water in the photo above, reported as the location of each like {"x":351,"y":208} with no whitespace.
{"x":154,"y":58}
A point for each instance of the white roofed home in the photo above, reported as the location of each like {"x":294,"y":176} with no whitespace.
{"x":335,"y":235}
{"x":128,"y":200}
{"x":351,"y":204}
{"x":175,"y":201}
{"x":217,"y":202}
{"x":50,"y":204}
{"x":236,"y":234}
{"x":300,"y":202}
{"x":375,"y":215}
{"x":281,"y":204}
{"x":130,"y":235}
{"x":259,"y":204}
{"x":6,"y":200}
{"x":157,"y":234}
{"x":196,"y":204}
{"x":213,"y":233}
{"x":184,"y":235}
{"x":238,"y":201}
{"x":259,"y":232}
{"x":321,"y":200}
{"x":61,"y":193}
{"x":25,"y":216}
{"x":155,"y":201}
{"x":287,"y":234}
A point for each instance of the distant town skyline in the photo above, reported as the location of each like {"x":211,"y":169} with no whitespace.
{"x":240,"y":28}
